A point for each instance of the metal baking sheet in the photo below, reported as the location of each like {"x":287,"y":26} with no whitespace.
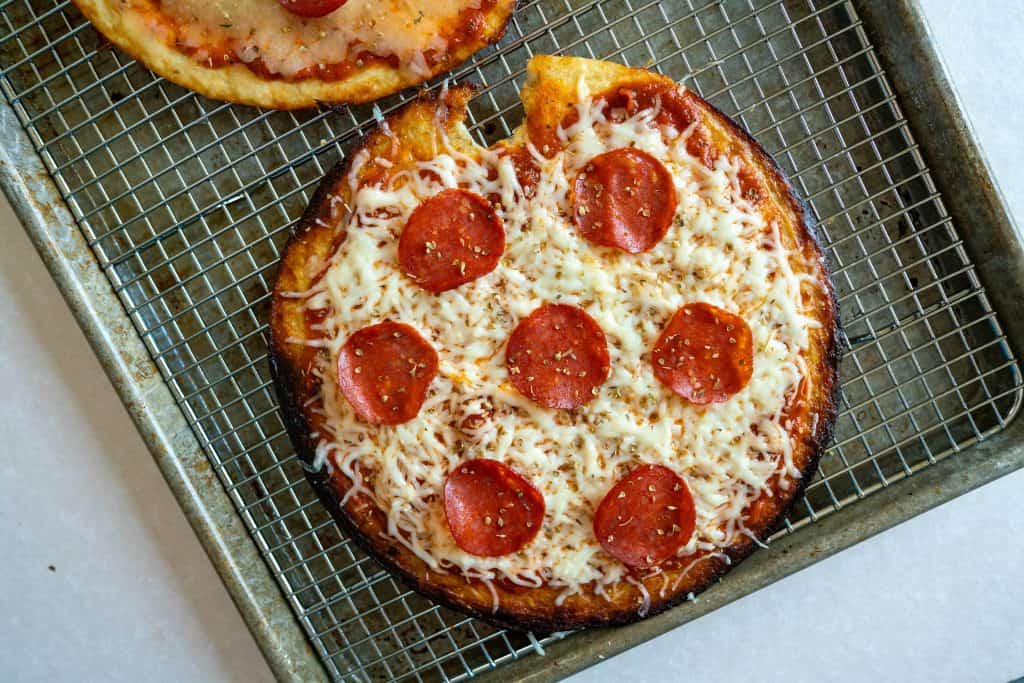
{"x":161,"y":215}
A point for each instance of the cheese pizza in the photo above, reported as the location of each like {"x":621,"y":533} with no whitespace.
{"x":569,"y":379}
{"x":293,"y":54}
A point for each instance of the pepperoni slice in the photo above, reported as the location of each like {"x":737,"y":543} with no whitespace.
{"x":704,"y":354}
{"x":491,"y":510}
{"x":311,"y":8}
{"x":646,"y":517}
{"x":557,"y":356}
{"x":384,"y":371}
{"x":624,"y":198}
{"x":451,"y":239}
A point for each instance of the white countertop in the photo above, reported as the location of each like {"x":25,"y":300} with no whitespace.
{"x":103,"y":578}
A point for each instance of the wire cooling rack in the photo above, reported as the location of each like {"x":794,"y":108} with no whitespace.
{"x":186,"y":203}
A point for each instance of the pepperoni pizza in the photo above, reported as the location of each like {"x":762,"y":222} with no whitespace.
{"x":569,"y":379}
{"x":293,"y":54}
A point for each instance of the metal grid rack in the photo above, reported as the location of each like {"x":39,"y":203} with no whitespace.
{"x":186,"y":202}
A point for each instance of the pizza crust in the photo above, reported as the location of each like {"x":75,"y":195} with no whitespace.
{"x":237,"y":83}
{"x":548,"y":96}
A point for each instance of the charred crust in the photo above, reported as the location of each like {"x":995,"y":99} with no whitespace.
{"x":289,"y":387}
{"x":294,"y":384}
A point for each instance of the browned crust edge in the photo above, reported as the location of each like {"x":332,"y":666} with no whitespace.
{"x":292,"y":385}
{"x":237,"y":83}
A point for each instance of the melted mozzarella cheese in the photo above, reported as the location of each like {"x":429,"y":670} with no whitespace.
{"x":287,"y":43}
{"x":719,"y":250}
